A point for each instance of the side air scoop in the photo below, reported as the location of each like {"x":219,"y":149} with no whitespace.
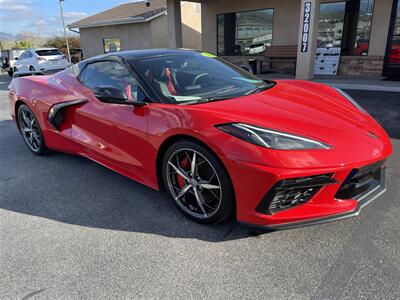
{"x":56,"y":117}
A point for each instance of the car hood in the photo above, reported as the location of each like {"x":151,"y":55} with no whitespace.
{"x":304,"y":108}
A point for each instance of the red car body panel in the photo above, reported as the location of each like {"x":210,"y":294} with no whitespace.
{"x":128,"y":139}
{"x":394,"y":55}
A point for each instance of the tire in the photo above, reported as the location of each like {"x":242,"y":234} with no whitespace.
{"x":30,"y":130}
{"x":210,"y":183}
{"x":10,"y":72}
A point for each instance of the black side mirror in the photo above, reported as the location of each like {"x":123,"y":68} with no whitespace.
{"x":111,"y":94}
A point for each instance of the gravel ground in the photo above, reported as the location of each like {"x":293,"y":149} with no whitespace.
{"x":70,"y":229}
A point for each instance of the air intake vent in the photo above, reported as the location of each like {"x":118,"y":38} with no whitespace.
{"x":360,"y":181}
{"x":293,"y":192}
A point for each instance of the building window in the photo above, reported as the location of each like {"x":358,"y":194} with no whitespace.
{"x":111,"y":45}
{"x":331,"y":22}
{"x":244,"y":33}
{"x":394,"y":52}
{"x":346,"y":25}
{"x":364,"y":27}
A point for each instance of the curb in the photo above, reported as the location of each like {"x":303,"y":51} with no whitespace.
{"x":363,"y":87}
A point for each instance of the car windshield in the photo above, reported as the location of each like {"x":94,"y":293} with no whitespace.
{"x":50,"y":52}
{"x":256,"y":45}
{"x":197,"y":77}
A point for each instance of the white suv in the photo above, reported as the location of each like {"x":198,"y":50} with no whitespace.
{"x":41,"y":60}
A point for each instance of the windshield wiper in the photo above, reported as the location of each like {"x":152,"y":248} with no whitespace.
{"x":259,"y":89}
{"x":190,"y":102}
{"x":204,"y":100}
{"x":209,"y":99}
{"x":218,"y":98}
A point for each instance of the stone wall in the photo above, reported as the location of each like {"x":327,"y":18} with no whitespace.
{"x":361,"y":66}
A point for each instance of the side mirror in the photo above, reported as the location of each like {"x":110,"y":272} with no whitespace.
{"x":111,"y":94}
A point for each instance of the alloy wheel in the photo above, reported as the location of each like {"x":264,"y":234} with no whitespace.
{"x":29,"y":129}
{"x":193,"y":183}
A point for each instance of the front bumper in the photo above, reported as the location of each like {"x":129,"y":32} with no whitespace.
{"x":362,"y":201}
{"x":340,"y":199}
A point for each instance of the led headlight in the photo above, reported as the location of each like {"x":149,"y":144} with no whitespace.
{"x":270,"y":138}
{"x":350,"y":99}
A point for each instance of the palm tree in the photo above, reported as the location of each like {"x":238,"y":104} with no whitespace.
{"x":22,"y":44}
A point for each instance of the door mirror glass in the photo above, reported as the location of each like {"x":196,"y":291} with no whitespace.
{"x":110,"y":94}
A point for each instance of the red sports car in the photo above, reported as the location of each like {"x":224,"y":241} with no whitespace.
{"x":220,"y":141}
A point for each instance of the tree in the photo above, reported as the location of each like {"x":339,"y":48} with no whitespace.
{"x":23,"y":44}
{"x":59,"y":43}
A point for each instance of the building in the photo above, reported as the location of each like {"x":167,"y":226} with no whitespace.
{"x":366,"y":33}
{"x":136,"y":26}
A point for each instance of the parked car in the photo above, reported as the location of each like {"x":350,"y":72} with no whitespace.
{"x":394,"y":56}
{"x":41,"y":60}
{"x":8,"y":58}
{"x":220,"y":141}
{"x":257,"y":49}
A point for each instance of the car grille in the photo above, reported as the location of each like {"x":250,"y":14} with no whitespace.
{"x":360,"y":181}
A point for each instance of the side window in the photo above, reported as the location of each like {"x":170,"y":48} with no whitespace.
{"x":28,"y":55}
{"x":110,"y":73}
{"x":22,"y":56}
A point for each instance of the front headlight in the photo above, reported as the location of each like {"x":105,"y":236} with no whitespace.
{"x":270,"y":138}
{"x":350,"y":99}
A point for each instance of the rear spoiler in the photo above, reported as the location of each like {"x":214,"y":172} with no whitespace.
{"x":27,"y":73}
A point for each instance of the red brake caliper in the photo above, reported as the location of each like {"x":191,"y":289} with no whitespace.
{"x":184,"y":164}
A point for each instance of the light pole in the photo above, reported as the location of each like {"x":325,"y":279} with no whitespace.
{"x":65,"y":33}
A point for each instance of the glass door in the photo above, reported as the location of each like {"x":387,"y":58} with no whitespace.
{"x":392,"y":59}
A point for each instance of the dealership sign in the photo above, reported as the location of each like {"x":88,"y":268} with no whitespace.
{"x":305,"y":36}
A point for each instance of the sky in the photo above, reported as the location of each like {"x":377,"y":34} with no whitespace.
{"x":42,"y":17}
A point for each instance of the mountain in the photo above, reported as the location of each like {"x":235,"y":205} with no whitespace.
{"x":6,"y":36}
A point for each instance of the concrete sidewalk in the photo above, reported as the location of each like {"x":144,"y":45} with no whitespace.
{"x":378,"y":84}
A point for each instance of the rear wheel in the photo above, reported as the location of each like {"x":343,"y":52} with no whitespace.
{"x":197,"y":182}
{"x":30,"y":130}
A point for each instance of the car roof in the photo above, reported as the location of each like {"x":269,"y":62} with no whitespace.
{"x":42,"y":49}
{"x":151,"y":52}
{"x":140,"y":53}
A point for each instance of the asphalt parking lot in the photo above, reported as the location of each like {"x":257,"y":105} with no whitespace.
{"x":70,"y":228}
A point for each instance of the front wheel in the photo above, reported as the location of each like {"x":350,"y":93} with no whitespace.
{"x":197,"y":182}
{"x":30,"y":130}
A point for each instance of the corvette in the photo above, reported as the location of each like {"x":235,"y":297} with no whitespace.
{"x":221,"y":142}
